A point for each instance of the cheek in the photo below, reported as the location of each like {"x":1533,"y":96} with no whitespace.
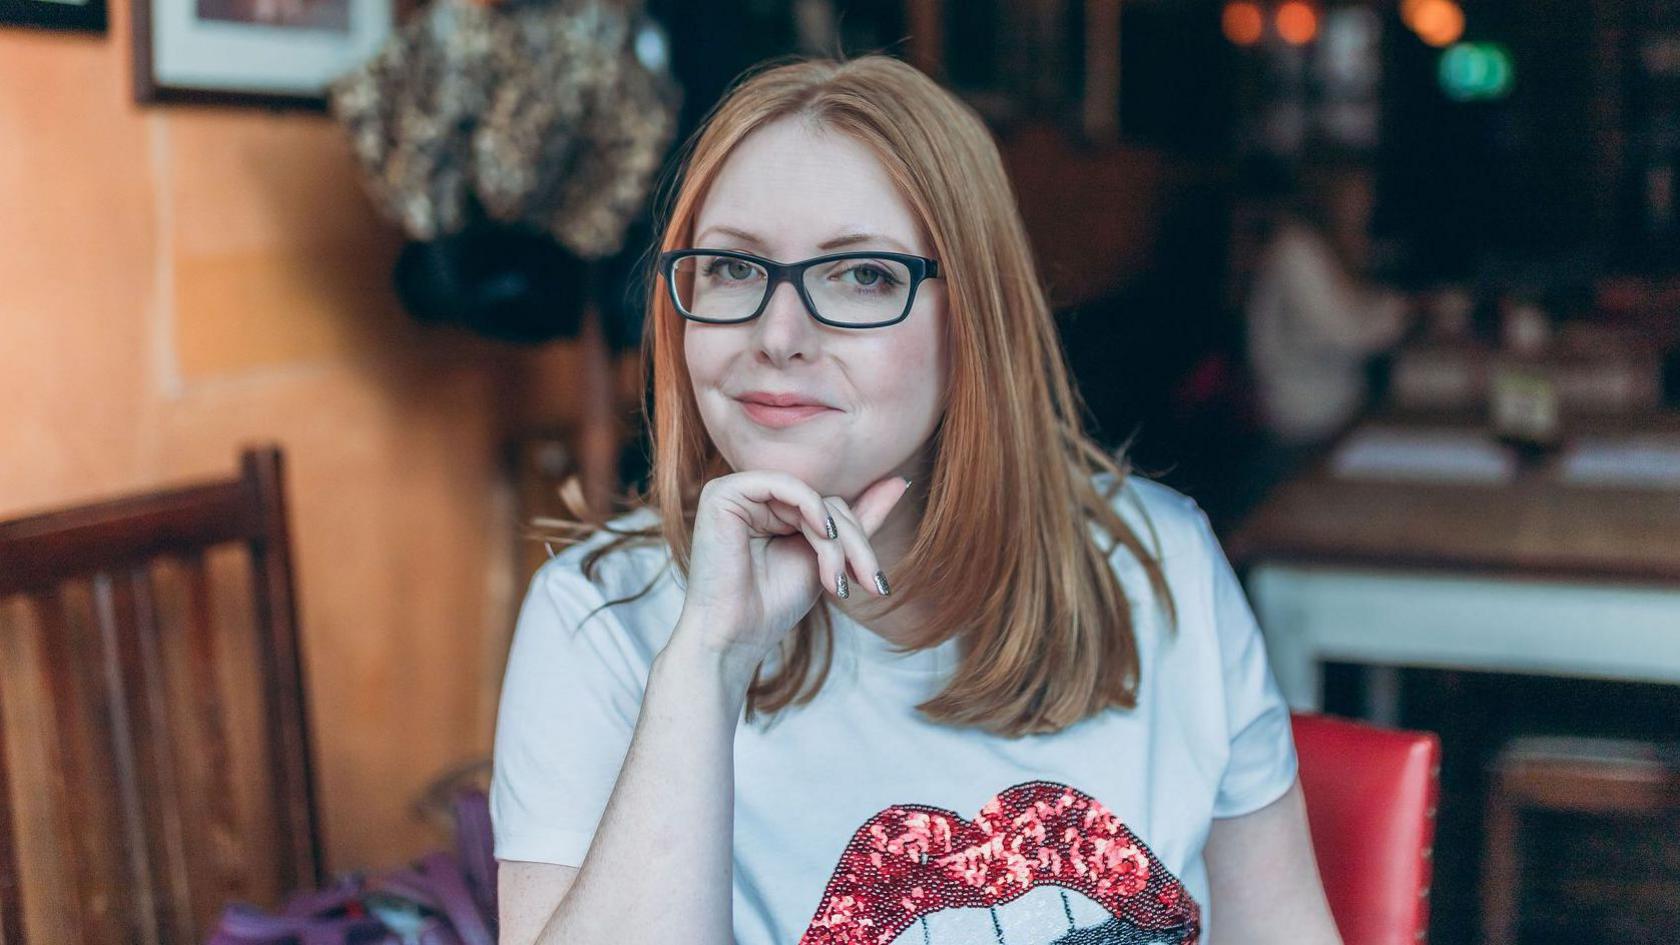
{"x":701,"y":353}
{"x":907,"y":379}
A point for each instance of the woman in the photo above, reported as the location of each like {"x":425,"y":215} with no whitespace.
{"x":891,"y":652}
{"x":1313,"y":323}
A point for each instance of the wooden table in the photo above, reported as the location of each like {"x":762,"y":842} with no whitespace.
{"x":1536,"y":576}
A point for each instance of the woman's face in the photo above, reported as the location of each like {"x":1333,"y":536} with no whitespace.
{"x":870,"y":398}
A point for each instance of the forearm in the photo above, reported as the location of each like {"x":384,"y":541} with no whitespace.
{"x":667,"y":829}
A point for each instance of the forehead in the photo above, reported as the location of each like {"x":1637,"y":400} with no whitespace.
{"x":796,"y":186}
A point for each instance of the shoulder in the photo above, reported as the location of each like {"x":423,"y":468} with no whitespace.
{"x":596,"y":561}
{"x":597,"y":576}
{"x":1173,"y":532}
{"x":1170,"y":525}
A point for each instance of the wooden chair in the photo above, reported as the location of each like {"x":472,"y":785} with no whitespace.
{"x":1585,"y":775}
{"x":154,"y":746}
{"x":1371,"y":795}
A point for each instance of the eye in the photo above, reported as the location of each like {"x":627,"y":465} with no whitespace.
{"x":736,"y":269}
{"x":870,"y":275}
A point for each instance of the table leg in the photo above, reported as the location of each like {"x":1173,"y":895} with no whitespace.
{"x":1382,"y":695}
{"x":1289,"y":648}
{"x":1297,"y":669}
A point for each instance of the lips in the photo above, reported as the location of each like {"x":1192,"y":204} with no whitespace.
{"x":910,"y":861}
{"x":780,"y":400}
{"x":778,"y":417}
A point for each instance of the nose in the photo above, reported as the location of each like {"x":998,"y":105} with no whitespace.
{"x":785,"y":332}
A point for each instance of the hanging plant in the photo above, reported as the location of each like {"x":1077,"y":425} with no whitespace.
{"x":514,"y":143}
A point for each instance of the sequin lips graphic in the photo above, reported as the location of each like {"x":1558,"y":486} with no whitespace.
{"x":1043,"y":864}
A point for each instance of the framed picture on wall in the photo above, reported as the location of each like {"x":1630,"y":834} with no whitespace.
{"x":86,"y":15}
{"x":267,"y":52}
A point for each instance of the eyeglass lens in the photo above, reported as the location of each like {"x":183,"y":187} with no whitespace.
{"x":859,"y":291}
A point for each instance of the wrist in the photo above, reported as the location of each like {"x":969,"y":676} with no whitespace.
{"x":690,"y":654}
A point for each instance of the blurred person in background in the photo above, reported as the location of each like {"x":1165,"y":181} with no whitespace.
{"x":1314,"y":322}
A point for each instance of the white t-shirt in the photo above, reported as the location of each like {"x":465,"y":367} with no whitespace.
{"x":857,"y":820}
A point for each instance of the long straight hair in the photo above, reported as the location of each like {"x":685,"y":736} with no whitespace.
{"x":1012,"y":551}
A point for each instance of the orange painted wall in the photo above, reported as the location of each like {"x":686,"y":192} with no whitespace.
{"x":176,"y":281}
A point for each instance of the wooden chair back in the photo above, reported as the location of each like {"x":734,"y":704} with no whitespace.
{"x":154,"y":737}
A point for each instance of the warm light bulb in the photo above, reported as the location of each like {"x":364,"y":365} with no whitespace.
{"x":1243,"y":22}
{"x":1440,"y":23}
{"x":1297,"y":22}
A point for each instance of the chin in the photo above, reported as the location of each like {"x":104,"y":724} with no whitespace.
{"x":829,"y":464}
{"x":817,"y":467}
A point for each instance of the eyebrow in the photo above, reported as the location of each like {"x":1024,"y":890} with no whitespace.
{"x":844,"y":239}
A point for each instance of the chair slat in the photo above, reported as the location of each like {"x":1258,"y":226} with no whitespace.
{"x":158,"y":785}
{"x":71,"y":673}
{"x":124,"y":607}
{"x":216,"y":827}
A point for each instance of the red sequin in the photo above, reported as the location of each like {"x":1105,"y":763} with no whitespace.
{"x":910,"y":860}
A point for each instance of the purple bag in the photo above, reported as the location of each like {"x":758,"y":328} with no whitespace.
{"x":444,"y":899}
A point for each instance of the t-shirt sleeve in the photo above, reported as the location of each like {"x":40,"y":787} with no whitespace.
{"x":570,"y":697}
{"x":1262,"y":761}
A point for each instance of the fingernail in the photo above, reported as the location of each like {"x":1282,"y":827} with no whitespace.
{"x":907,"y":483}
{"x":833,"y":533}
{"x":842,"y":586}
{"x":881,"y":584}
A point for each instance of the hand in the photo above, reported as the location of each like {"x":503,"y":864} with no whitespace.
{"x":762,"y":552}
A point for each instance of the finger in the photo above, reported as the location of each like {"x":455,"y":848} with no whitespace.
{"x":843,"y":512}
{"x":878,"y":501}
{"x":767,"y":487}
{"x":820,"y":527}
{"x":830,"y":554}
{"x":831,"y":567}
{"x":833,"y":573}
{"x":788,"y":518}
{"x":860,"y":555}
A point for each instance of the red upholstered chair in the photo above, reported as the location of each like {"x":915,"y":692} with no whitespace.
{"x":1371,"y":796}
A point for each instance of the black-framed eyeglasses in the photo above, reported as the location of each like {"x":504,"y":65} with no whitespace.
{"x":843,"y":290}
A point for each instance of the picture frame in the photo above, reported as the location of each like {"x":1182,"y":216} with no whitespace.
{"x":277,"y":53}
{"x":86,"y":16}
